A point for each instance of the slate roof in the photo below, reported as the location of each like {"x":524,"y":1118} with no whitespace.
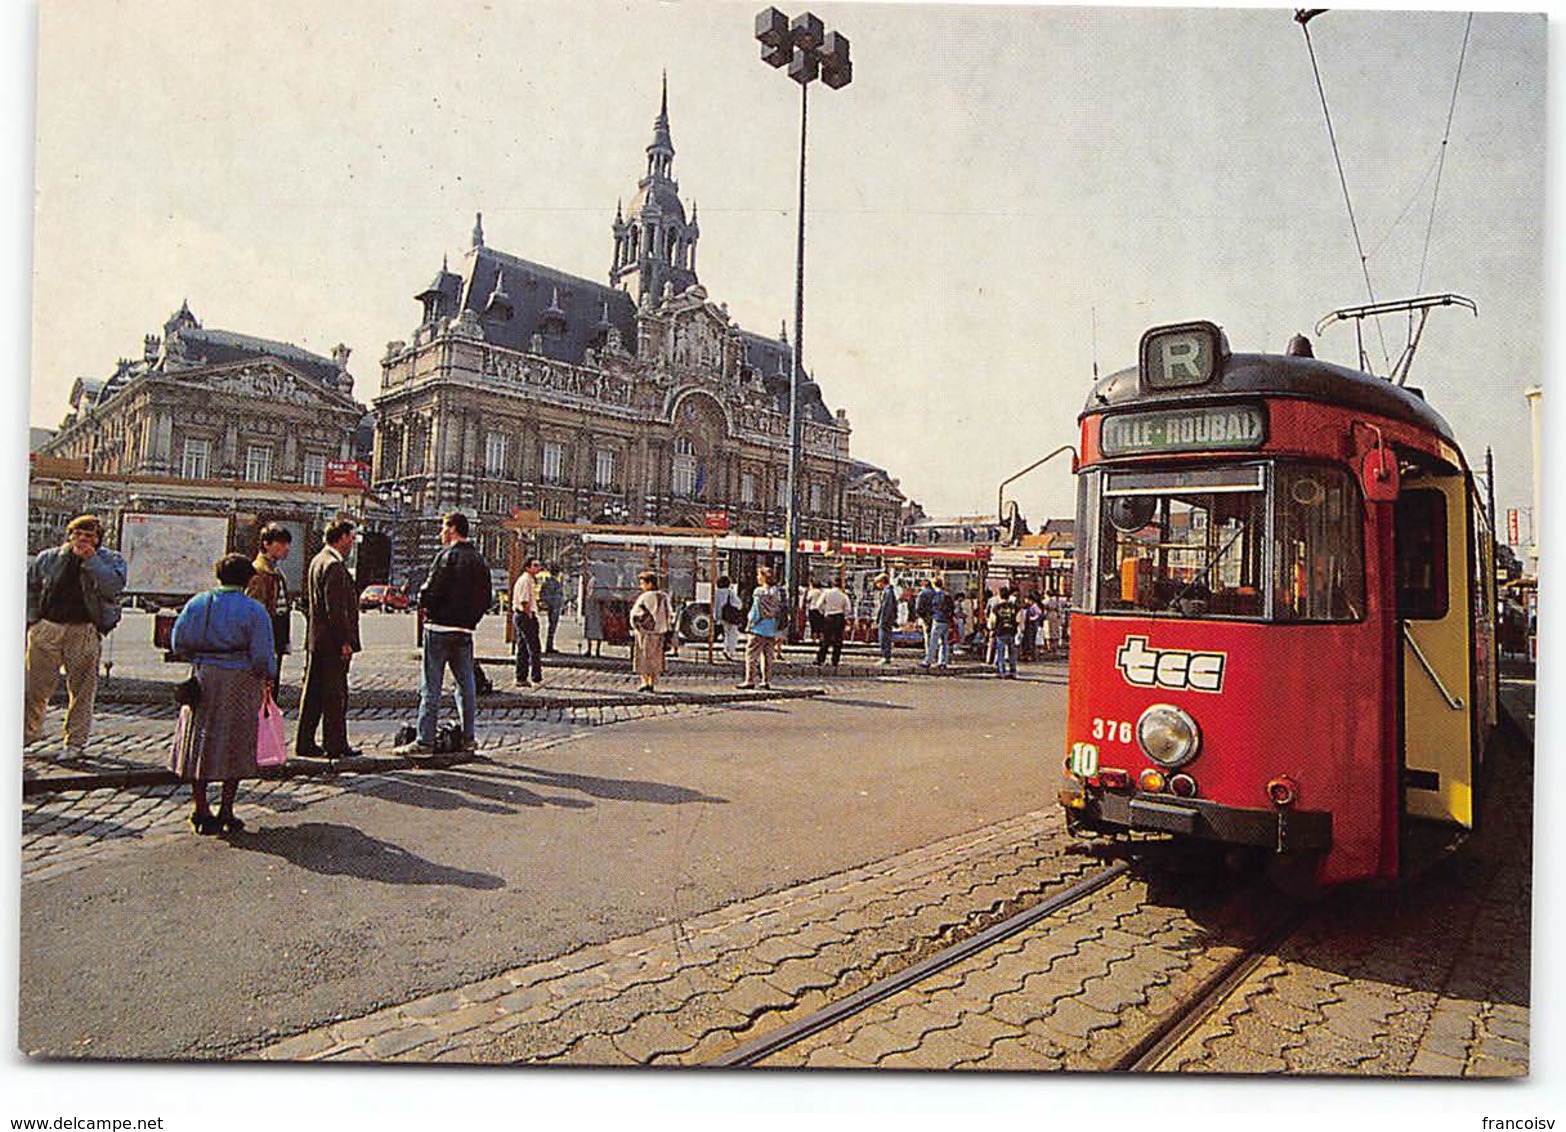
{"x":544,"y":298}
{"x":773,"y":358}
{"x":199,"y":348}
{"x":215,"y":347}
{"x":539,"y":299}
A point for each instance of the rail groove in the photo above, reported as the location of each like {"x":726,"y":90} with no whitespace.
{"x":763,"y":1046}
{"x":1149,"y":1053}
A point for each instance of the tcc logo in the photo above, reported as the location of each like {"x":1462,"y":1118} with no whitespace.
{"x":1170,"y":668}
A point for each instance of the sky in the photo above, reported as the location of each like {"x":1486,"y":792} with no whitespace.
{"x":1001,"y":201}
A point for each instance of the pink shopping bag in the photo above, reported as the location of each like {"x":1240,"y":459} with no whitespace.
{"x":271,"y":747}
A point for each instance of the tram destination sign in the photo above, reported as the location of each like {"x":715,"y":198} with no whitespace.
{"x":1184,"y":430}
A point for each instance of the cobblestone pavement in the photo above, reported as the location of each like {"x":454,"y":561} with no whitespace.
{"x":63,"y":830}
{"x":1077,"y":991}
{"x":1429,"y":979}
{"x":120,"y":795}
{"x":681,"y":994}
{"x":66,"y":831}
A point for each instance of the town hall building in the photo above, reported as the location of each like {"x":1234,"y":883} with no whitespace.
{"x":636,"y":400}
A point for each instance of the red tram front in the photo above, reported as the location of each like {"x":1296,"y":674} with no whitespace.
{"x":1281,"y":634}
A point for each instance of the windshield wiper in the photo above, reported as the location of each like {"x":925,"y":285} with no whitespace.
{"x":1201,"y":579}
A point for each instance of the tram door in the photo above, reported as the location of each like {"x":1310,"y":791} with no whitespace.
{"x":1431,"y":572}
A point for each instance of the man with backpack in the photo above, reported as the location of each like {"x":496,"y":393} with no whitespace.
{"x":1003,"y":631}
{"x":73,"y":593}
{"x":454,"y":599}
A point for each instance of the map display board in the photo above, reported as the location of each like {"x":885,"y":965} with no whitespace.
{"x":171,"y":554}
{"x":293,"y":567}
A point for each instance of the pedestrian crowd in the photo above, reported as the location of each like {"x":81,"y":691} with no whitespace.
{"x":236,"y":634}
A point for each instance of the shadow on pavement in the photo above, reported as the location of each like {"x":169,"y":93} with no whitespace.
{"x":341,"y":850}
{"x":616,"y":789}
{"x":445,"y":790}
{"x":865,"y":703}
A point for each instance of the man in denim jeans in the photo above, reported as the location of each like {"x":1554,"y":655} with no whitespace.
{"x":454,"y":598}
{"x":938,"y":648}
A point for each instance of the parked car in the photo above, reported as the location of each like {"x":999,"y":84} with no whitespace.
{"x":392,"y":599}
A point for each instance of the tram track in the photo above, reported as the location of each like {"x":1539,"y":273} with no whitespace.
{"x":758,"y":1049}
{"x":1149,"y":1054}
{"x":1181,"y":978}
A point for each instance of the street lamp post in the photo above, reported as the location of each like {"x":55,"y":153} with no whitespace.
{"x":809,"y":52}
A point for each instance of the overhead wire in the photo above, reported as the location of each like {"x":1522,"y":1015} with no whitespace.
{"x":1451,"y":113}
{"x":1303,"y":19}
{"x":1414,"y":197}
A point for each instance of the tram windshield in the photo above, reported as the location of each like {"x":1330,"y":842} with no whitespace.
{"x":1253,"y":541}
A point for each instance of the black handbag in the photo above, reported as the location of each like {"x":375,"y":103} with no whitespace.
{"x":187,"y":693}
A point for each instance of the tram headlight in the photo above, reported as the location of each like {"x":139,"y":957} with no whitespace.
{"x":1168,"y":735}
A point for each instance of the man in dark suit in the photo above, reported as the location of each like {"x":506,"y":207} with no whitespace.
{"x":331,"y":639}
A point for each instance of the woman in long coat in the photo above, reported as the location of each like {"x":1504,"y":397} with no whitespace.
{"x":651,"y":617}
{"x":227,"y":636}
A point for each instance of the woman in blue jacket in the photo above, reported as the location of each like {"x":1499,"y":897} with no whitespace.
{"x":227,"y":636}
{"x":764,"y":623}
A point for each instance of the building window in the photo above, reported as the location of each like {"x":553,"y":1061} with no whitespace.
{"x":684,"y":480}
{"x":554,"y":460}
{"x":815,"y":499}
{"x":494,"y":455}
{"x":557,"y":509}
{"x":603,"y":471}
{"x":314,"y":469}
{"x":193,"y":464}
{"x":747,"y":488}
{"x":258,"y":463}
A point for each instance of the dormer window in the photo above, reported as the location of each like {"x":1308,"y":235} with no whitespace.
{"x":553,"y":320}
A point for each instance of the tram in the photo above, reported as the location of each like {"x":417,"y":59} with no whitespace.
{"x":1283,"y":612}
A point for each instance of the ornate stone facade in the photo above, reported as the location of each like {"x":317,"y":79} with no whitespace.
{"x":637,"y":401}
{"x":213,"y":405}
{"x":201,"y":412}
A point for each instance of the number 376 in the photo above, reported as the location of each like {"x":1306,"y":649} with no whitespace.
{"x":1112,"y":730}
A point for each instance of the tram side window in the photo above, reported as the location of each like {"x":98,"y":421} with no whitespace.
{"x":1319,"y":569}
{"x":1420,"y":553}
{"x":1087,"y":516}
